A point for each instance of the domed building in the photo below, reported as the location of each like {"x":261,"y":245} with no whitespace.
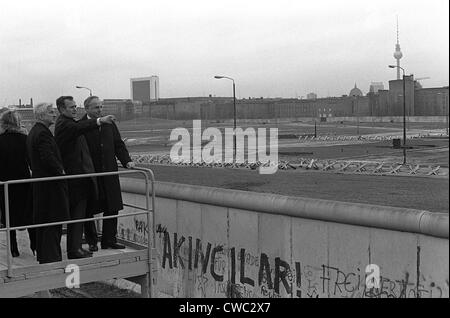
{"x":355,"y":92}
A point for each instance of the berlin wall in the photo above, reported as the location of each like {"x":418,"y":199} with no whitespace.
{"x":226,"y":243}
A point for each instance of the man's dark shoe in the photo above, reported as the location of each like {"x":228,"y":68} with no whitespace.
{"x":93,"y":248}
{"x":86,"y":251}
{"x":80,"y":253}
{"x":114,"y":246}
{"x":15,"y":253}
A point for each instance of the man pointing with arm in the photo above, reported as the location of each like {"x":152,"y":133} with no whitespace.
{"x":77,"y":160}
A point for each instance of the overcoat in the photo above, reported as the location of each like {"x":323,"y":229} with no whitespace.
{"x":75,"y":156}
{"x":50,"y":198}
{"x":106,"y":146}
{"x":14,"y":166}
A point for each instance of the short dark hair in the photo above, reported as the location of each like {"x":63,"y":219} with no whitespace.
{"x":60,"y":101}
{"x":88,"y":100}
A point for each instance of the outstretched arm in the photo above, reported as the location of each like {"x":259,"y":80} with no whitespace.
{"x":68,"y":130}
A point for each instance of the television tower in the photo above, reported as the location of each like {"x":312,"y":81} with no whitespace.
{"x":398,"y":53}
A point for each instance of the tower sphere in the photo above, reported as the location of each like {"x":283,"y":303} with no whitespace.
{"x":398,"y":54}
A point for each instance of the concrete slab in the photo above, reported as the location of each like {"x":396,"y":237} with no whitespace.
{"x":244,"y":258}
{"x":275,"y":252}
{"x":395,"y":253}
{"x":133,"y":228}
{"x":188,"y":228}
{"x":348,"y":256}
{"x":215,"y":232}
{"x":166,"y":225}
{"x":310,"y":254}
{"x":433,"y":276}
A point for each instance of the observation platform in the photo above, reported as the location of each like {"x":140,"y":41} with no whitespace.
{"x":23,"y":275}
{"x":28,"y":276}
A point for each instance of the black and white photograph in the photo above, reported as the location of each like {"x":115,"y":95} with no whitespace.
{"x":221,"y":155}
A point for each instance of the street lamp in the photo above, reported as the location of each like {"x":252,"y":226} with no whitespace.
{"x":445,"y":100}
{"x":356,"y":111}
{"x":404,"y":110}
{"x":90,"y":91}
{"x":446,"y":112}
{"x":234,"y":113}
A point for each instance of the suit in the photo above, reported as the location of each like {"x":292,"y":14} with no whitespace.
{"x":105,"y":145}
{"x":76,"y":160}
{"x":50,"y":199}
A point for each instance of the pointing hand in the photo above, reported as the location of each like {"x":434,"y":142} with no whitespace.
{"x":107,"y":119}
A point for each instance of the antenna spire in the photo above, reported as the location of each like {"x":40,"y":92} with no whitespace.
{"x":398,"y":42}
{"x":398,"y":52}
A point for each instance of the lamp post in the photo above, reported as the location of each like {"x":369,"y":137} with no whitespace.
{"x":90,"y":91}
{"x":445,"y":108}
{"x":356,"y":110}
{"x":234,"y":113}
{"x":315,"y":127}
{"x":404,"y":110}
{"x":446,"y":113}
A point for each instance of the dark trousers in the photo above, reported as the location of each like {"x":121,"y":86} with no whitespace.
{"x":75,"y":230}
{"x":90,"y":232}
{"x":109,"y":230}
{"x":13,"y":240}
{"x":48,"y":244}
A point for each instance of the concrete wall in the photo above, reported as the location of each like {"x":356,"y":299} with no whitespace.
{"x":362,"y":119}
{"x":219,"y":109}
{"x":123,"y":109}
{"x":394,"y":119}
{"x":396,"y":97}
{"x":431,"y":101}
{"x":227,"y":243}
{"x":420,"y":102}
{"x":382,"y":106}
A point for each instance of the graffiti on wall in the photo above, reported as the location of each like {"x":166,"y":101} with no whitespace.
{"x":235,"y":272}
{"x":134,"y":230}
{"x":213,"y":269}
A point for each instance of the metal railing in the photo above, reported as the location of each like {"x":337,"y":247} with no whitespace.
{"x":149,"y":179}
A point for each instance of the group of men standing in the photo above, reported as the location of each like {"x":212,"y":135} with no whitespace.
{"x":90,"y":145}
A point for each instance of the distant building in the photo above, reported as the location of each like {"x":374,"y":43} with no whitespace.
{"x":375,"y":87}
{"x":395,"y":95}
{"x":311,"y":96}
{"x":145,"y":89}
{"x":20,"y":105}
{"x":355,"y":92}
{"x":123,"y":109}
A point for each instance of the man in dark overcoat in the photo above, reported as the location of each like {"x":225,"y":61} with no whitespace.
{"x":76,"y":160}
{"x":50,"y":198}
{"x":105,"y":146}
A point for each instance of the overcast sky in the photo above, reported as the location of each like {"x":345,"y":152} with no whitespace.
{"x":272,"y":48}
